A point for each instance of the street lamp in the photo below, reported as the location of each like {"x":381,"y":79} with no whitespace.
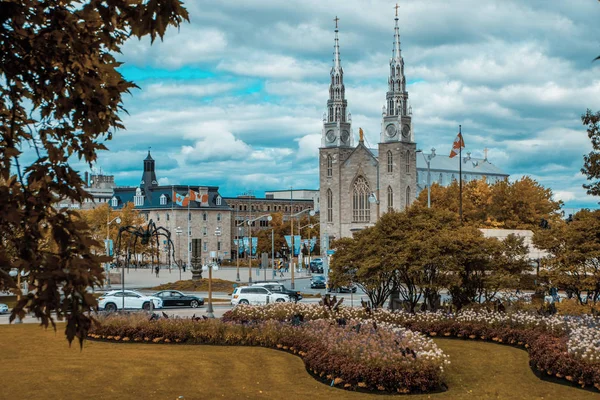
{"x":237,"y":258}
{"x":428,"y":159}
{"x":250,"y":221}
{"x":178,"y":232}
{"x":107,"y":269}
{"x":311,"y":212}
{"x":310,"y":226}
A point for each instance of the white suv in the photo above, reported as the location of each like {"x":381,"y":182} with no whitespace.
{"x":115,"y":299}
{"x":256,"y":295}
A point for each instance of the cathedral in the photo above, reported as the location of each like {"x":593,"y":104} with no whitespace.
{"x":357,"y":183}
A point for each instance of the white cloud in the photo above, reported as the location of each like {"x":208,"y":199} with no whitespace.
{"x":308,"y":146}
{"x":223,"y":146}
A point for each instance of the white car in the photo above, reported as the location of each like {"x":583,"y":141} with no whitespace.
{"x":3,"y":308}
{"x":115,"y":299}
{"x":256,"y":295}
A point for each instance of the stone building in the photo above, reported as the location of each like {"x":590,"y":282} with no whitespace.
{"x":198,"y":211}
{"x":358,"y":184}
{"x":247,"y":207}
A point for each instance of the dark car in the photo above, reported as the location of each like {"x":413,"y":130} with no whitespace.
{"x":342,"y":289}
{"x":174,"y":298}
{"x":316,"y":266}
{"x":276,"y":287}
{"x":317,"y":282}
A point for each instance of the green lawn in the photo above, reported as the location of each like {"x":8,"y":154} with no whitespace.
{"x":37,"y":363}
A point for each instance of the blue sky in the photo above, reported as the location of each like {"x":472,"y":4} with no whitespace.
{"x":235,"y":98}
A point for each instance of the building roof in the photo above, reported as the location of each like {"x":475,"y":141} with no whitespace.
{"x":126,"y":195}
{"x":259,"y":199}
{"x":442,"y":163}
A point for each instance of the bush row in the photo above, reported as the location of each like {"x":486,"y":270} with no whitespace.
{"x":349,"y":354}
{"x":564,"y":347}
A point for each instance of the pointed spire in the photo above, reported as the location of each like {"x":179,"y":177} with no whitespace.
{"x":396,"y":55}
{"x":336,"y":47}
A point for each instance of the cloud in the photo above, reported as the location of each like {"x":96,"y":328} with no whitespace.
{"x":216,"y":148}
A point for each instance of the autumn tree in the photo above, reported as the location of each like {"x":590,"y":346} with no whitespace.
{"x":61,"y":97}
{"x":574,"y":255}
{"x":591,"y":161}
{"x":518,"y":205}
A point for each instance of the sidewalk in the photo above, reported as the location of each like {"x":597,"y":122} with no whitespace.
{"x":146,"y":278}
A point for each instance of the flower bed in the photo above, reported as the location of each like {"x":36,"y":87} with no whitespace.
{"x":362,"y":354}
{"x":565,"y":347}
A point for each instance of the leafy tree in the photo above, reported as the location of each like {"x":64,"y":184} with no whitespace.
{"x":61,"y":95}
{"x":574,"y":261}
{"x":591,"y":161}
{"x":518,"y":205}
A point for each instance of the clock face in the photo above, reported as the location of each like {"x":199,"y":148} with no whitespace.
{"x":405,"y":130}
{"x":330,"y":135}
{"x":345,"y":136}
{"x":390,"y":130}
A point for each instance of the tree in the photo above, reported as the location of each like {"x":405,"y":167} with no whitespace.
{"x":518,"y":205}
{"x":574,"y":261}
{"x":61,"y":96}
{"x":591,"y":161}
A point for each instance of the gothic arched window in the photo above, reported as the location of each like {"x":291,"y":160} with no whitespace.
{"x":407,"y":161}
{"x":329,"y":206}
{"x":390,"y":161}
{"x":390,"y":199}
{"x":453,"y":178}
{"x":329,"y":166}
{"x":361,"y":209}
{"x":441,"y":180}
{"x":407,"y":196}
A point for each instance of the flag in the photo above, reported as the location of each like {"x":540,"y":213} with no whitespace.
{"x":179,"y":199}
{"x":197,"y":197}
{"x":458,"y":144}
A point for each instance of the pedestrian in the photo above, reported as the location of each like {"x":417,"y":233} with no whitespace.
{"x":280,"y":271}
{"x":184,"y":265}
{"x":157,"y":270}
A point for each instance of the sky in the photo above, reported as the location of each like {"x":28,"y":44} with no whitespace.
{"x":235,"y":98}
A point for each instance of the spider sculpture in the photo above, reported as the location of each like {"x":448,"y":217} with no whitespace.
{"x":145,"y":236}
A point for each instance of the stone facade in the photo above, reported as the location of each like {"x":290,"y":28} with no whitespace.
{"x":358,"y":184}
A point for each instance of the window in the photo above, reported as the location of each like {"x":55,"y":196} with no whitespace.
{"x":218,"y":216}
{"x":157,"y":217}
{"x":329,"y":166}
{"x":114,"y":202}
{"x":167,"y":216}
{"x":218,"y":200}
{"x":390,"y":161}
{"x":268,"y":208}
{"x":138,"y":199}
{"x":189,"y":247}
{"x":407,"y":196}
{"x":407,"y":161}
{"x":205,"y":246}
{"x":218,"y":245}
{"x":390,"y":199}
{"x":441,"y":180}
{"x":205,"y":231}
{"x":453,"y":178}
{"x":163,"y":200}
{"x":204,"y":216}
{"x":360,"y":200}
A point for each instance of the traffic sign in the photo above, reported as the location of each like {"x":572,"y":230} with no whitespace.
{"x":330,"y":252}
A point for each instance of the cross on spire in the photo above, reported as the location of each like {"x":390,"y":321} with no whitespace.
{"x":336,"y":19}
{"x":397,"y":7}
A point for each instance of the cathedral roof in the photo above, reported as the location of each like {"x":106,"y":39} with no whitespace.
{"x":470,"y":165}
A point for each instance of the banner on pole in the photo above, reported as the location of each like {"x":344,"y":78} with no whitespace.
{"x":254,"y":245}
{"x":297,"y":244}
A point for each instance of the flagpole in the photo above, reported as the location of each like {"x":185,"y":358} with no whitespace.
{"x":188,"y":232}
{"x":460,"y":209}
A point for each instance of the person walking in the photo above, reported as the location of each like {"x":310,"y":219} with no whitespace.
{"x":184,"y":265}
{"x":157,"y":270}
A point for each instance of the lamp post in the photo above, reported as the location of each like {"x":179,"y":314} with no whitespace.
{"x":428,"y":159}
{"x":309,"y":226}
{"x":250,"y":221}
{"x":107,"y":269}
{"x":178,"y":232}
{"x":311,"y":213}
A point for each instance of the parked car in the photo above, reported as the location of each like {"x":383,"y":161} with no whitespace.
{"x":276,"y":287}
{"x":342,"y":289}
{"x":316,"y":266}
{"x":3,"y":308}
{"x":175,"y":298}
{"x":256,"y":295}
{"x":113,"y":300}
{"x":317,"y":282}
